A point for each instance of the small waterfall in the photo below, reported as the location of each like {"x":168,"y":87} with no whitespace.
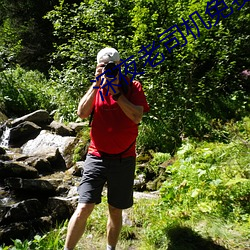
{"x":4,"y":140}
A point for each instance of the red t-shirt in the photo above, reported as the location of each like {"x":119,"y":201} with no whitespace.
{"x":112,"y":131}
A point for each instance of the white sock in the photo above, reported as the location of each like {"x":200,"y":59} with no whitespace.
{"x":110,"y":247}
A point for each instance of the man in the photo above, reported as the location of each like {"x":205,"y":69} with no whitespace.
{"x":111,"y":154}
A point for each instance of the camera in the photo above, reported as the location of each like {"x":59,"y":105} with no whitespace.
{"x":111,"y":70}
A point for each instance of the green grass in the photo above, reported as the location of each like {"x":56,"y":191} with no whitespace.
{"x":53,"y":240}
{"x":153,"y":226}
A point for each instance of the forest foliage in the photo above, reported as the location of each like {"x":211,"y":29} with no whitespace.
{"x":48,"y":56}
{"x":198,"y":93}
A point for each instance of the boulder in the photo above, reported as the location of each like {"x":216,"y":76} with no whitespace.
{"x":23,"y":132}
{"x":78,"y":126}
{"x":48,"y":142}
{"x":17,"y":230}
{"x":36,"y":187}
{"x":16,"y":169}
{"x":44,"y":223}
{"x":54,"y":157}
{"x":140,"y":182}
{"x":25,"y":230}
{"x":73,"y":192}
{"x":42,"y":165}
{"x":61,"y":208}
{"x":35,"y":174}
{"x":4,"y":158}
{"x":61,"y":129}
{"x":76,"y":170}
{"x":45,"y":160}
{"x":5,"y":201}
{"x":3,"y":155}
{"x":39,"y":117}
{"x":23,"y":211}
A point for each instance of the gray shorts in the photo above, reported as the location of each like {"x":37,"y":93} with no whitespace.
{"x":117,"y":173}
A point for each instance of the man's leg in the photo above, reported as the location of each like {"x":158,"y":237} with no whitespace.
{"x":114,"y":225}
{"x":77,"y":224}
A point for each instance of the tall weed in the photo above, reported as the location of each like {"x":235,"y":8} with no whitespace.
{"x":24,"y":91}
{"x":210,"y":178}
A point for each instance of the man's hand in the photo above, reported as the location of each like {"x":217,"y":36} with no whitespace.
{"x":98,"y":71}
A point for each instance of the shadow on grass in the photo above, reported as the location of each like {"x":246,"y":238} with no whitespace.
{"x":184,"y":238}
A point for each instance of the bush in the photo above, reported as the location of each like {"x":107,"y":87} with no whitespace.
{"x":24,"y":91}
{"x":212,"y":178}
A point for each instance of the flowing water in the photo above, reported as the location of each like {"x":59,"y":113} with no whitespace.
{"x":5,"y":198}
{"x":4,"y":140}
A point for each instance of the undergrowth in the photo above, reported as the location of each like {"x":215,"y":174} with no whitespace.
{"x":207,"y":196}
{"x":204,"y":203}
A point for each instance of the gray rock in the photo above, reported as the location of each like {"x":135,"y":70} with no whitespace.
{"x":23,"y":211}
{"x":42,"y":165}
{"x":77,"y":169}
{"x":32,"y":186}
{"x":60,"y":208}
{"x":4,"y":158}
{"x":61,"y":129}
{"x":23,"y":132}
{"x":73,"y":192}
{"x":44,"y":223}
{"x":37,"y":170}
{"x":140,"y":182}
{"x":39,"y":117}
{"x":17,"y":230}
{"x":54,"y":157}
{"x":3,"y":210}
{"x":78,"y":126}
{"x":16,"y":169}
{"x":48,"y":142}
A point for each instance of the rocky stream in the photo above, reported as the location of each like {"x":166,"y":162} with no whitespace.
{"x":38,"y":177}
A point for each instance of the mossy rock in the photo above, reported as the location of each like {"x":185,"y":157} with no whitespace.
{"x":144,"y":157}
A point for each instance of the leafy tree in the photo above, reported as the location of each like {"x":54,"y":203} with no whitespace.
{"x":189,"y":88}
{"x":26,"y":37}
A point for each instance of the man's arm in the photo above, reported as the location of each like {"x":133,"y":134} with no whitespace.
{"x":86,"y":104}
{"x":132,"y":111}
